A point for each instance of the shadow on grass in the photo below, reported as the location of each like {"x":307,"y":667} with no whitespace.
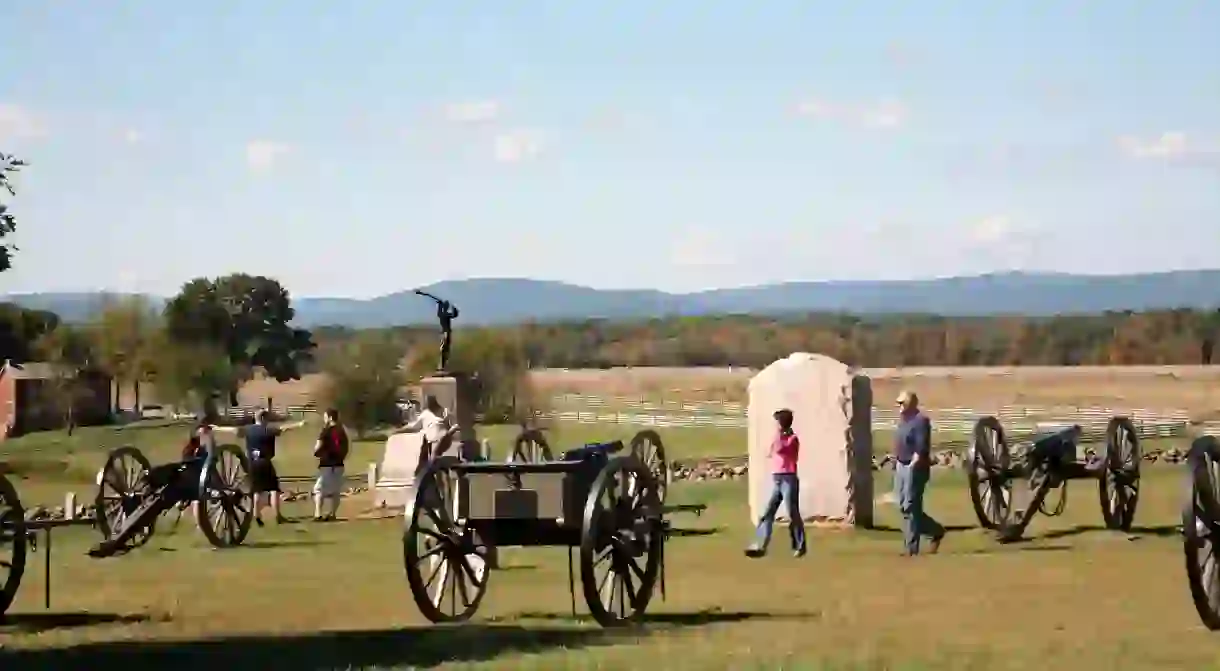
{"x":262,"y":545}
{"x":950,"y":528}
{"x":678,"y":532}
{"x":412,"y":647}
{"x":34,"y":623}
{"x":700,"y":618}
{"x":1014,"y":547}
{"x":1162,"y":531}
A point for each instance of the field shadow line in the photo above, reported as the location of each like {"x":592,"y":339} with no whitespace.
{"x":698,"y":618}
{"x":36,"y":623}
{"x":1160,"y":531}
{"x":411,"y":647}
{"x":679,"y":532}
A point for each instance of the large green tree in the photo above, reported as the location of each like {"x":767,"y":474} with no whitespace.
{"x":9,"y":165}
{"x":248,"y":318}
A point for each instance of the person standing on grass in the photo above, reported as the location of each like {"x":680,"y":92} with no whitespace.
{"x":260,"y":449}
{"x":785,"y":449}
{"x":913,"y":454}
{"x":331,"y":451}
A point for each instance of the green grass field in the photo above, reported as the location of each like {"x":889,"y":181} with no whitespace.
{"x":305,"y":596}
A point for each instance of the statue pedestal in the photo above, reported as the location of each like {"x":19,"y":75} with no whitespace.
{"x":404,"y":461}
{"x":457,"y":393}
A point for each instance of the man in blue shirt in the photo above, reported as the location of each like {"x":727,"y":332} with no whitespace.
{"x":913,"y":454}
{"x":260,"y":450}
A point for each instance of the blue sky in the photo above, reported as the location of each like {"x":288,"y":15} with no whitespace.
{"x":355,"y":149}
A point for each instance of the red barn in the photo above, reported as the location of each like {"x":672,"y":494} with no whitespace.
{"x":32,"y":400}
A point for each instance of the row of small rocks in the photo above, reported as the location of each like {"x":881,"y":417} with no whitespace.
{"x":83,"y":512}
{"x":731,"y":468}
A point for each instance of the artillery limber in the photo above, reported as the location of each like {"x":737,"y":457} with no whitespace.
{"x":1201,"y":528}
{"x":1009,"y":486}
{"x":132,"y":494}
{"x":607,"y":507}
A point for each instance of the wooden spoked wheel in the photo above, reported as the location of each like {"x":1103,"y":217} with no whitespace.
{"x":225,"y":507}
{"x":122,"y":486}
{"x":446,"y":561}
{"x":13,"y":539}
{"x":531,"y":448}
{"x":1119,"y":485}
{"x":622,"y":542}
{"x":646,"y":446}
{"x":989,"y":474}
{"x":1201,"y":529}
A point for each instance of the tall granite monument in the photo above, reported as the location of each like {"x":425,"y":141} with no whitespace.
{"x":832,"y":412}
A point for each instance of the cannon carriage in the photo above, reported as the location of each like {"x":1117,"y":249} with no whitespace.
{"x":1011,"y":484}
{"x":132,"y":494}
{"x":606,"y":506}
{"x":15,"y":539}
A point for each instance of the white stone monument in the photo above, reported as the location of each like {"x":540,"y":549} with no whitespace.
{"x":403,"y":460}
{"x":832,"y":410}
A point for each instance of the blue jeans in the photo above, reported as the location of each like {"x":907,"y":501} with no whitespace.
{"x":911,"y":483}
{"x":787,"y":488}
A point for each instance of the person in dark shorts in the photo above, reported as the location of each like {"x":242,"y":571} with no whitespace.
{"x":260,"y":450}
{"x":331,"y":451}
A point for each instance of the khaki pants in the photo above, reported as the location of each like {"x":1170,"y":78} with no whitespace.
{"x":329,"y":482}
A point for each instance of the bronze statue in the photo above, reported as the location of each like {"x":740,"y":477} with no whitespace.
{"x":446,"y":312}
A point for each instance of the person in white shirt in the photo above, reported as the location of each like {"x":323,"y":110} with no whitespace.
{"x":432,"y":422}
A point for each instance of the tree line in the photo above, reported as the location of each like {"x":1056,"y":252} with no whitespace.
{"x":1160,"y":337}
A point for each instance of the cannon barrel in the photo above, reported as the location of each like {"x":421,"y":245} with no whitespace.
{"x":1059,"y":445}
{"x":593,"y":450}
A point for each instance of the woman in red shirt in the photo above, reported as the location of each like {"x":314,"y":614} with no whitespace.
{"x":785,"y":449}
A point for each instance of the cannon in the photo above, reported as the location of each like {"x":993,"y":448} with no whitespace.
{"x":1046,"y":463}
{"x":14,"y":539}
{"x":132,"y":494}
{"x":605,"y":505}
{"x":1201,"y":528}
{"x":531,"y":447}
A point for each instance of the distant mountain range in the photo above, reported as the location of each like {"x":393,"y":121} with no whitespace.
{"x":503,"y":301}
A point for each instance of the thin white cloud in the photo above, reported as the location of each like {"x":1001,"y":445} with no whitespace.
{"x":517,"y":146}
{"x":473,"y":111}
{"x":19,"y":123}
{"x":886,"y":113}
{"x":1171,"y":144}
{"x":1002,"y":241}
{"x":993,"y":229}
{"x":262,"y":155}
{"x":1175,"y":147}
{"x":133,"y":136}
